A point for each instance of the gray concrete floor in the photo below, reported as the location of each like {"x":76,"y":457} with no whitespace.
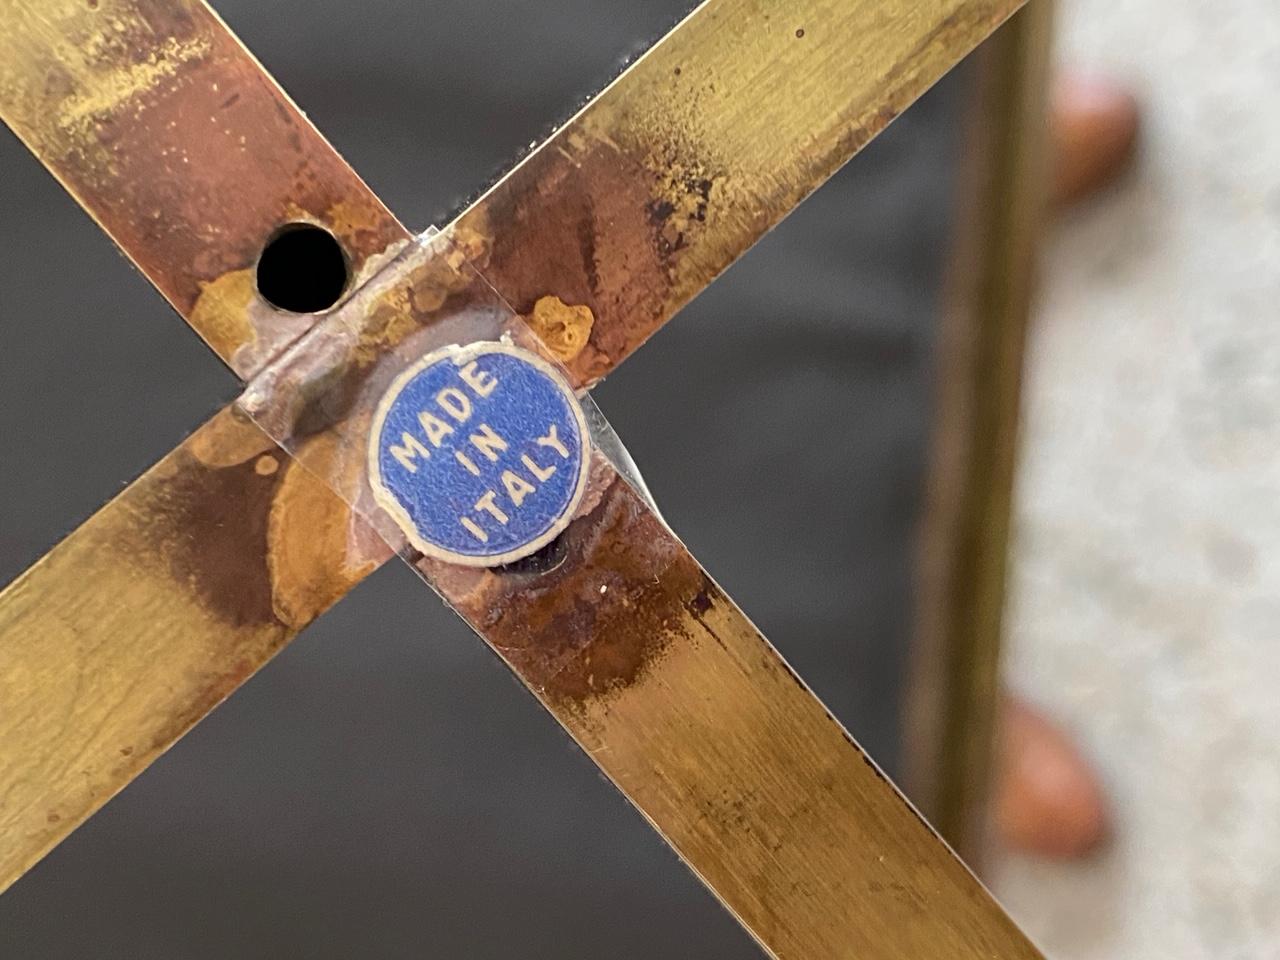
{"x":1145,"y":607}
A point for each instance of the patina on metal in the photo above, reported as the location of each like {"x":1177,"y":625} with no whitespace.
{"x":160,"y":605}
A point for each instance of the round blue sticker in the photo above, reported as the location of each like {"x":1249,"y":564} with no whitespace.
{"x":479,"y":453}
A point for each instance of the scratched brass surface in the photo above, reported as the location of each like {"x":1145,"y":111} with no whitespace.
{"x":167,"y":599}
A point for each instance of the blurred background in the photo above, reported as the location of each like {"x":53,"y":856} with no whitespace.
{"x":386,"y":789}
{"x":1144,"y":603}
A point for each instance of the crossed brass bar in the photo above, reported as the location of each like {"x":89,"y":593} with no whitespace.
{"x":165,"y":601}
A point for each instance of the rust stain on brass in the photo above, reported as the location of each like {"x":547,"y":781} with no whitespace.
{"x":221,"y":311}
{"x":669,"y":175}
{"x":598,"y":619}
{"x":226,"y":440}
{"x":224,"y":564}
{"x":562,"y":328}
{"x":306,"y":531}
{"x":675,"y":695}
{"x":127,"y":634}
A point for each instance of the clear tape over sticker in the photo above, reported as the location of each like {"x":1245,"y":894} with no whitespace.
{"x":426,"y":374}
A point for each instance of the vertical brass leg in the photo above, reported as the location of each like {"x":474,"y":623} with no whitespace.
{"x":954,"y":688}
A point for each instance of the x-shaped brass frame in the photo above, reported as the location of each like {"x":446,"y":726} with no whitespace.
{"x":173,"y":138}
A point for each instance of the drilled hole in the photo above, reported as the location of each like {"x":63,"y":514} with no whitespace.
{"x":543,"y":561}
{"x":302,"y":269}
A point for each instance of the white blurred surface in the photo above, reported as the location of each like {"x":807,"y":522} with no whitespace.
{"x":1145,"y":599}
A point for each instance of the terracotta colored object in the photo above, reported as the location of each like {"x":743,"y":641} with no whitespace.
{"x":1095,"y":124}
{"x":1049,"y":802}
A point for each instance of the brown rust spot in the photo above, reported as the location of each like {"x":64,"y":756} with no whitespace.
{"x":210,"y":526}
{"x":310,"y":537}
{"x":226,"y":440}
{"x":470,"y":242}
{"x":571,"y":223}
{"x":221,"y":311}
{"x":701,"y":601}
{"x":679,"y":208}
{"x":393,"y":317}
{"x":564,"y":329}
{"x":562,"y":634}
{"x":354,"y":223}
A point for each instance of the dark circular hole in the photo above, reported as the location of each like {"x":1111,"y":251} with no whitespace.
{"x":543,"y":561}
{"x":302,"y":269}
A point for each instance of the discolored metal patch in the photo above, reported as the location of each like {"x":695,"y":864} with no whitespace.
{"x":479,"y":453}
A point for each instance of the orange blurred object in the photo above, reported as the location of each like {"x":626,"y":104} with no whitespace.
{"x":1094,"y":125}
{"x":1048,"y":800}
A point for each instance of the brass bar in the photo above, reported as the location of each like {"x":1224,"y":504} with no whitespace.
{"x":703,"y":145}
{"x":953,"y":694}
{"x":697,"y":719}
{"x":143,"y":620}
